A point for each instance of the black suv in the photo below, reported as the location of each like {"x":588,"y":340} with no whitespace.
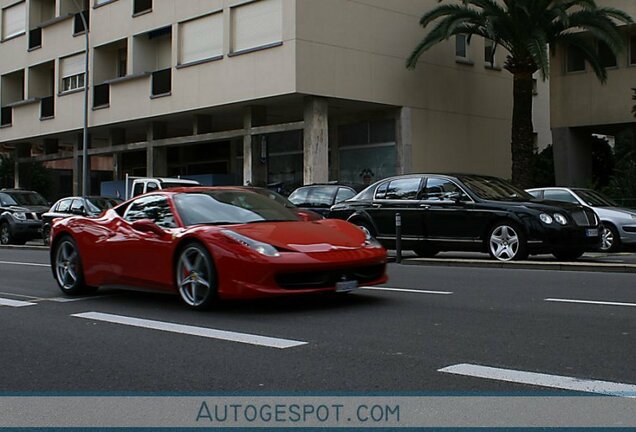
{"x":470,"y":213}
{"x":20,"y":216}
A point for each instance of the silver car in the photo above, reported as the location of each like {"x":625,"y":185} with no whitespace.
{"x":619,"y":224}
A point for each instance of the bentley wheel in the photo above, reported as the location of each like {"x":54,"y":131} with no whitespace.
{"x":196,"y":277}
{"x":5,"y":234}
{"x":507,"y":242}
{"x":610,"y":239}
{"x":68,"y":268}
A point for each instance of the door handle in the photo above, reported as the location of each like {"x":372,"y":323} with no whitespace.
{"x":424,"y":206}
{"x":376,"y":205}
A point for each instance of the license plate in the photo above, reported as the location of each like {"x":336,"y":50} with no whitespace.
{"x":592,"y":232}
{"x":345,"y":286}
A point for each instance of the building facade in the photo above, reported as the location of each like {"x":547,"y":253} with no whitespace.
{"x":249,"y":91}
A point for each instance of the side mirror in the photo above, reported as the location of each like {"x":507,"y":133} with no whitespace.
{"x":146,"y":225}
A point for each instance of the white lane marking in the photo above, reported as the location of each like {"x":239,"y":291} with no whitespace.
{"x":19,"y":295}
{"x":406,"y":290}
{"x":192,"y":330}
{"x":15,"y":303}
{"x":595,"y":302}
{"x":543,"y":380}
{"x":74,"y":299}
{"x":25,"y":264}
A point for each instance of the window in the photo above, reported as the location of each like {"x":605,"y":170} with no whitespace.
{"x":438,"y":189}
{"x":380,"y":192}
{"x":64,"y":206}
{"x":489,"y":53}
{"x":575,"y":60}
{"x":461,"y":47}
{"x":155,"y":208}
{"x":140,"y":6}
{"x":257,"y":24}
{"x":14,"y":20}
{"x":138,"y":189}
{"x":403,"y":189}
{"x":559,"y":195}
{"x":151,"y":187}
{"x":632,"y":50}
{"x":101,"y":2}
{"x":606,"y":55}
{"x":72,"y":72}
{"x":201,"y":39}
{"x":78,"y":207}
{"x":344,"y":194}
{"x":122,"y":62}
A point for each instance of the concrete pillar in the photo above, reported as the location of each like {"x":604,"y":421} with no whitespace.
{"x":156,"y":157}
{"x":334,"y":151}
{"x":22,"y":150}
{"x":201,"y":124}
{"x":315,"y":142}
{"x":254,"y":148}
{"x":572,"y":157}
{"x":235,"y":169}
{"x":77,"y":167}
{"x":403,"y":141}
{"x":117,"y":136}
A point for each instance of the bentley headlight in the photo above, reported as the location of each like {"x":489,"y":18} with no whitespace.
{"x":260,"y":247}
{"x":19,"y":215}
{"x":545,"y":218}
{"x":560,"y":219}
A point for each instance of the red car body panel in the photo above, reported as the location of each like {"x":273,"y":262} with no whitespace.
{"x":313,"y":254}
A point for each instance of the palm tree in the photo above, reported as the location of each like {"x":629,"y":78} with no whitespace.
{"x":525,"y":29}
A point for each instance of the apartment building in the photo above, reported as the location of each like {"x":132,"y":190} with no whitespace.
{"x":255,"y":91}
{"x":582,"y":106}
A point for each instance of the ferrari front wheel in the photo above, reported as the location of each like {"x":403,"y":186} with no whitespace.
{"x":196,"y":276}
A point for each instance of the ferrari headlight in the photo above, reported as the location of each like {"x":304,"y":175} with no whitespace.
{"x":260,"y":247}
{"x":19,"y":215}
{"x":370,"y":241}
{"x":560,"y":219}
{"x":545,"y":218}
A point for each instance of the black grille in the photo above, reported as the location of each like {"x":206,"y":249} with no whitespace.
{"x":328,"y":278}
{"x":629,"y":229}
{"x":584,"y":217}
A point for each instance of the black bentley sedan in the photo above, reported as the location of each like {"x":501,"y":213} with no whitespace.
{"x":470,"y":213}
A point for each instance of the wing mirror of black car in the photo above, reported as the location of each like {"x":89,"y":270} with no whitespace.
{"x":146,"y":225}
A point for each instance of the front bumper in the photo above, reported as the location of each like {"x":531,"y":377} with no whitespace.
{"x":28,"y":229}
{"x":628,"y":234}
{"x":548,"y":239}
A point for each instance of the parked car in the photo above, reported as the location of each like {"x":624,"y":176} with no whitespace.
{"x":20,"y":216}
{"x":320,"y":197}
{"x":470,"y":213}
{"x":304,"y":214}
{"x":91,"y":206}
{"x":619,"y":224}
{"x":212,"y":242}
{"x":145,"y":185}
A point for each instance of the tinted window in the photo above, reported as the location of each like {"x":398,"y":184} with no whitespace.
{"x":380,"y":193}
{"x":224,"y":207}
{"x":64,"y":206}
{"x":6,"y":200}
{"x":403,"y":189}
{"x":344,"y":194}
{"x":441,"y":190}
{"x":28,"y":198}
{"x":77,"y":207}
{"x":138,"y":189}
{"x":536,"y":194}
{"x":595,"y":199}
{"x":155,"y":208}
{"x":559,"y":195}
{"x":317,"y":196}
{"x":97,"y":205}
{"x":491,"y":188}
{"x":299,"y":196}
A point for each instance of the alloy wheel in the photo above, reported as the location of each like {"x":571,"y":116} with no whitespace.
{"x":67,"y":265}
{"x":607,"y":239}
{"x":5,"y":237}
{"x":504,"y":243}
{"x":194,"y":274}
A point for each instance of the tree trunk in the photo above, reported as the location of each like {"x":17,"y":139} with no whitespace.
{"x":522,"y":145}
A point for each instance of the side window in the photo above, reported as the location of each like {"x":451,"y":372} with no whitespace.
{"x":299,"y":196}
{"x":152,"y":186}
{"x":537,"y":194}
{"x":77,"y":207}
{"x":380,"y":192}
{"x":344,"y":194}
{"x":403,"y":189}
{"x":4,"y":200}
{"x":155,"y":208}
{"x":559,"y":195}
{"x":441,"y":190}
{"x":64,"y":206}
{"x":138,"y":189}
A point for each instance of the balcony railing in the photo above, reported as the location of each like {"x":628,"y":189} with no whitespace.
{"x":6,"y":116}
{"x":161,"y":82}
{"x":78,"y":24}
{"x":47,"y":107}
{"x":101,"y":95}
{"x":35,"y":38}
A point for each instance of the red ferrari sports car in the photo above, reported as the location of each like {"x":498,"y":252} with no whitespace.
{"x":212,"y":242}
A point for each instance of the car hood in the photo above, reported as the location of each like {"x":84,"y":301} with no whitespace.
{"x":29,"y":209}
{"x":316,"y":236}
{"x":617,"y":212}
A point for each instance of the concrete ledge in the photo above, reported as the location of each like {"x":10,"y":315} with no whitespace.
{"x":24,"y":247}
{"x":524,"y":265}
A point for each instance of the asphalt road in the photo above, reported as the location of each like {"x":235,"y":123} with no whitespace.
{"x":369,"y":340}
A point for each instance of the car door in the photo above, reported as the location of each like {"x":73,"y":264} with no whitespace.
{"x":145,"y":258}
{"x":450,"y":215}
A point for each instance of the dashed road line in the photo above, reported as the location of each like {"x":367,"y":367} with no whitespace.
{"x":406,"y":290}
{"x":15,"y":303}
{"x":543,"y":380}
{"x":245,"y":338}
{"x":594,"y":302}
{"x":25,"y":264}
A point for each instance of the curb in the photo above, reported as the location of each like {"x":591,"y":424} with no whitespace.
{"x":23,"y":247}
{"x":524,"y":265}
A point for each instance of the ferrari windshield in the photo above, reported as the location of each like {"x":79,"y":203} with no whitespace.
{"x":491,"y":188}
{"x":221,"y":207}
